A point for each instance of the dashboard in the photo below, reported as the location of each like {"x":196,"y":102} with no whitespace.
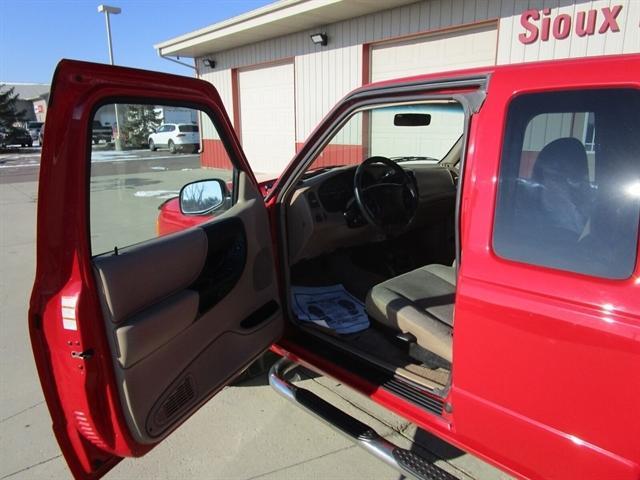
{"x":335,"y":192}
{"x":321,"y":210}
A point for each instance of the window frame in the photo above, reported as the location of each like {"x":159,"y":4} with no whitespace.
{"x":214,"y":118}
{"x":506,"y":139}
{"x":367,"y":108}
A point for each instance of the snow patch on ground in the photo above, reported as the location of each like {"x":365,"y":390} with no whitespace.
{"x":163,"y":194}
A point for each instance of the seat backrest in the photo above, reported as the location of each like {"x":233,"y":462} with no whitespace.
{"x":561,"y":173}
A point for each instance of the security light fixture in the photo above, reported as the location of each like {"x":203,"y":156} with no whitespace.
{"x":108,"y":9}
{"x":319,"y":39}
{"x":210,"y":63}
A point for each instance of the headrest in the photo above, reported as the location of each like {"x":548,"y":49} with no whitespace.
{"x":562,"y":159}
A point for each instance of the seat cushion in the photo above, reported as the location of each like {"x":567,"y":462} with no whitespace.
{"x":448,"y":274}
{"x":419,"y":302}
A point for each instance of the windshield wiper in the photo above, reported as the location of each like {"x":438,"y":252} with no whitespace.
{"x":413,"y":158}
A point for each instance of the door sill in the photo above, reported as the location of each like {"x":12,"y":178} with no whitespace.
{"x":435,"y":387}
{"x":431,"y":399}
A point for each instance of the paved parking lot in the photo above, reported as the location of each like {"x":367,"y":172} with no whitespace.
{"x":246,"y":432}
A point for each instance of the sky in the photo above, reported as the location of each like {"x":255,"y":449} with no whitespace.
{"x":36,"y":34}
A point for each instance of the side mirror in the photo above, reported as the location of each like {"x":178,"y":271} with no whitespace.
{"x":202,"y":196}
{"x":411,"y":119}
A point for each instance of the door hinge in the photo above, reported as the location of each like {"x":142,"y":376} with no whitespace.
{"x":87,"y":354}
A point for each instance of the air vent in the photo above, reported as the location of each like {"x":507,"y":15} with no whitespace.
{"x":454,"y":176}
{"x":174,"y":402}
{"x":313,"y":200}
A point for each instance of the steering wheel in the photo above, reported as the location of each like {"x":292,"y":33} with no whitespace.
{"x":388,"y":196}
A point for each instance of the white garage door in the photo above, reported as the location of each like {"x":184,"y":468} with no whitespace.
{"x":471,"y":47}
{"x":267,"y":116}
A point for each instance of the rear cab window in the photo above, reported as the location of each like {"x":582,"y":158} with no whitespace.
{"x":569,"y":183}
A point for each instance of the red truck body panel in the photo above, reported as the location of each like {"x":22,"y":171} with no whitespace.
{"x":546,"y":363}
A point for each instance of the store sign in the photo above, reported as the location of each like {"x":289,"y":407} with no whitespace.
{"x":542,"y":25}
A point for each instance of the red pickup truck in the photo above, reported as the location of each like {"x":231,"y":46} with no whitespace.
{"x":499,"y":279}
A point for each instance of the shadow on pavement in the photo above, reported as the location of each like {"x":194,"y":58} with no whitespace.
{"x":118,"y":184}
{"x":432,"y":444}
{"x":257,"y":374}
{"x":20,"y":150}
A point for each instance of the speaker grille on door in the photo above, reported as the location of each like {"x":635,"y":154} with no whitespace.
{"x":179,"y":397}
{"x":174,"y":402}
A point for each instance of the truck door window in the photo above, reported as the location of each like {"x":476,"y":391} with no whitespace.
{"x":138,"y":174}
{"x":569,"y":184}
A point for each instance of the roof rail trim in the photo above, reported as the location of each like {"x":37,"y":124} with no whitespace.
{"x":479,"y":81}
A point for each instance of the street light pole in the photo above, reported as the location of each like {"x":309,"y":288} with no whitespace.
{"x":107,"y":10}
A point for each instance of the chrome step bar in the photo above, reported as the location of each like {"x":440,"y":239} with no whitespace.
{"x":405,"y":461}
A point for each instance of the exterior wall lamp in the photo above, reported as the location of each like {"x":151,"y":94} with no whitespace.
{"x":319,"y":39}
{"x":209,"y":63}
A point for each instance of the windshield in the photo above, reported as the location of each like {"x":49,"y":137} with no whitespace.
{"x":421,"y":132}
{"x":188,"y":128}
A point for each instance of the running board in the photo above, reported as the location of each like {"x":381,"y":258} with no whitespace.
{"x":406,"y":461}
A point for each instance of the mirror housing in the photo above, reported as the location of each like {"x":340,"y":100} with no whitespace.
{"x":202,"y":196}
{"x":411,"y":119}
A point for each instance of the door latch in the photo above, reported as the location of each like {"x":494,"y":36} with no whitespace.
{"x":87,"y":354}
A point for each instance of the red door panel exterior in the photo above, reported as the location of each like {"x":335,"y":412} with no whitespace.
{"x":546,"y":362}
{"x":74,"y":362}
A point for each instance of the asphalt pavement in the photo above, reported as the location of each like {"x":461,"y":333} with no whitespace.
{"x":246,"y":432}
{"x":23,"y":164}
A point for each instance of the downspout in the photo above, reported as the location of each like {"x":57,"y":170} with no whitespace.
{"x":195,"y":68}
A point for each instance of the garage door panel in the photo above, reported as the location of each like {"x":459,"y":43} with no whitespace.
{"x":267,"y":116}
{"x":465,"y":48}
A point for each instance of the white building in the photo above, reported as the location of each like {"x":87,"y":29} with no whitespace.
{"x":277,"y":84}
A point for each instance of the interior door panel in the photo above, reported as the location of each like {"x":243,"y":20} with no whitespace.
{"x":129,"y":343}
{"x":153,"y":327}
{"x":135,"y":278}
{"x":184,"y":312}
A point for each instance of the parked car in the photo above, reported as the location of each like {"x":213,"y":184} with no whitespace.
{"x":101,"y":132}
{"x":177,"y":137}
{"x":497,"y":289}
{"x":16,"y":136}
{"x":41,"y":135}
{"x":34,"y":129}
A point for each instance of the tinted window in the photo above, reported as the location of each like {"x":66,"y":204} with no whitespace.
{"x":569,"y":188}
{"x":188,"y":128}
{"x":169,"y":128}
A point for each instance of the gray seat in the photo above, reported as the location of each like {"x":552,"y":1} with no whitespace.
{"x":419,"y":302}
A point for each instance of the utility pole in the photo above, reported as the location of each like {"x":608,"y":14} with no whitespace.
{"x":107,"y":10}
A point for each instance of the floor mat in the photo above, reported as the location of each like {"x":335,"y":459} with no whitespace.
{"x":334,"y":269}
{"x":330,"y":307}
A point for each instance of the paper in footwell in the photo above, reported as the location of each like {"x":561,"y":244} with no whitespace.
{"x":330,"y":307}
